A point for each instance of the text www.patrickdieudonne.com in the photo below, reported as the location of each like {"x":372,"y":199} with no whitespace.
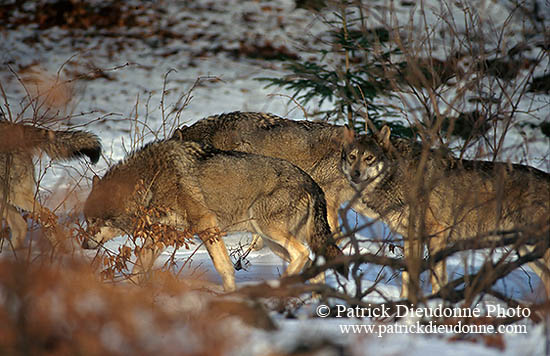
{"x":428,"y":327}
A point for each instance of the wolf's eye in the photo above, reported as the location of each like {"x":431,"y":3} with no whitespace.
{"x":369,"y":158}
{"x":352,"y":157}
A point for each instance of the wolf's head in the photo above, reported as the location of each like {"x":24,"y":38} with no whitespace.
{"x":99,"y":231}
{"x":365,"y":158}
{"x":100,"y":212}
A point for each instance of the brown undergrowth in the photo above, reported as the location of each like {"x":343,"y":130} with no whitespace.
{"x":66,"y":309}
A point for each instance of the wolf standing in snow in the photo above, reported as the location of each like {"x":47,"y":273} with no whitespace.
{"x":19,"y":143}
{"x":203,"y":188}
{"x":462,"y":198}
{"x":315,"y":147}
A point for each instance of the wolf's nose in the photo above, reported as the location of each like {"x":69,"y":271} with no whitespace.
{"x":88,"y":244}
{"x":355,"y":175}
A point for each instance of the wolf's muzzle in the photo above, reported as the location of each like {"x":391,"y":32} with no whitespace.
{"x":89,"y":244}
{"x":355,"y":176}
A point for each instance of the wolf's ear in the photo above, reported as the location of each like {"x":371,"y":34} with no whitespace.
{"x":95,"y":180}
{"x":349,"y":135}
{"x":178,"y":135}
{"x":384,"y":137}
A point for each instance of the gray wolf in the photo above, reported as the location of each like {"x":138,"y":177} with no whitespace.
{"x":204,"y":189}
{"x":315,"y":147}
{"x":462,"y":198}
{"x":19,"y":143}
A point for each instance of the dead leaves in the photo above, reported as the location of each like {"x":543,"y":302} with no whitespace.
{"x":74,"y":14}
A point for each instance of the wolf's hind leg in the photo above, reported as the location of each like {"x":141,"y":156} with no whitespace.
{"x":257,"y":242}
{"x":320,"y":278}
{"x":546,"y":277}
{"x":277,"y":249}
{"x":405,"y":277}
{"x":298,"y":253}
{"x":438,"y":276}
{"x":17,"y":224}
{"x":541,"y":267}
{"x":404,"y":285}
{"x":52,"y":232}
{"x":284,"y":255}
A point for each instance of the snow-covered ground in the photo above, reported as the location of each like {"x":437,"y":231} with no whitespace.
{"x":116,"y":79}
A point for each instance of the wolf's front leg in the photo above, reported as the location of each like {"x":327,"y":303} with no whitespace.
{"x":144,"y":263}
{"x":218,"y":253}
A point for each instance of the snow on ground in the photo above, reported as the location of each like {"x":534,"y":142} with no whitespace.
{"x":118,"y":77}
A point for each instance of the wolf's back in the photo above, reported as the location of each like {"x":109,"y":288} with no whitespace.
{"x":233,"y":130}
{"x":59,"y":145}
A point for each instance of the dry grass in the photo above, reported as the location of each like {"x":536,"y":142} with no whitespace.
{"x":65,"y":309}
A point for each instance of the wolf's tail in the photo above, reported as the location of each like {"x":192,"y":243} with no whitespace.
{"x":59,"y":145}
{"x":321,"y":242}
